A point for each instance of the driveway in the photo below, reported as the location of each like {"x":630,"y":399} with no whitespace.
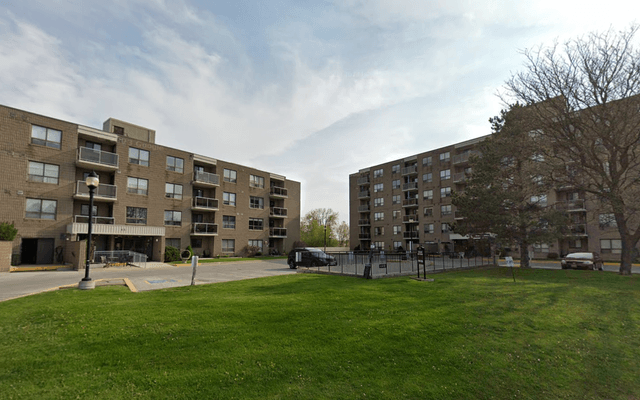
{"x":18,"y":284}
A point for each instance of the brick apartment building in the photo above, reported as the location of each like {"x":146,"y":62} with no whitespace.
{"x":150,"y":196}
{"x":407,"y":202}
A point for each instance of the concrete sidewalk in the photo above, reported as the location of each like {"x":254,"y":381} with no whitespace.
{"x":158,"y":276}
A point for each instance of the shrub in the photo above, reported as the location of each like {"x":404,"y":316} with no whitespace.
{"x":171,"y":254}
{"x":251,"y":251}
{"x":8,"y":232}
{"x":552,"y":256}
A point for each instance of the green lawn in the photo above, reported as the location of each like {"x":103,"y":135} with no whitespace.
{"x":467,"y":335}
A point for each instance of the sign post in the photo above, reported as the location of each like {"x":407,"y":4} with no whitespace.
{"x":194,"y":264}
{"x":509,"y":261}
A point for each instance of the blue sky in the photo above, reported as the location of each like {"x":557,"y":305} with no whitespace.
{"x":313,"y":90}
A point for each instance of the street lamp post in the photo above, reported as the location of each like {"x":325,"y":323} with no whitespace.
{"x":92,"y":183}
{"x":325,"y":235}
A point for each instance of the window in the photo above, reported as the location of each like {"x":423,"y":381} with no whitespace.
{"x":173,"y":218}
{"x":540,"y":201}
{"x":575,"y":244}
{"x":118,"y":130}
{"x":428,"y":228}
{"x":256,"y":181}
{"x":397,"y":245}
{"x":428,"y":194}
{"x":230,"y":175}
{"x":256,"y":224}
{"x":228,"y":245}
{"x":445,"y":192}
{"x":396,"y":214}
{"x":173,"y":191}
{"x":256,"y":202}
{"x":137,"y":186}
{"x":395,"y":199}
{"x":544,"y":247}
{"x":445,"y":157}
{"x":379,"y":245}
{"x":428,"y":211}
{"x":229,"y":221}
{"x":379,"y":216}
{"x":46,"y":173}
{"x":229,"y":199}
{"x":613,"y":246}
{"x":173,"y":243}
{"x":397,"y":229}
{"x":84,"y":210}
{"x":255,"y":243}
{"x":445,"y":210}
{"x":378,"y":187}
{"x":41,"y":209}
{"x":395,"y":184}
{"x":427,"y":161}
{"x":46,"y":137}
{"x":175,"y":164}
{"x":378,"y":173}
{"x":379,"y":202}
{"x":445,"y":174}
{"x":93,"y":145}
{"x":136,"y":215}
{"x":139,"y":156}
{"x":378,"y":231}
{"x":395,"y":169}
{"x":444,"y":227}
{"x":428,"y":177}
{"x":607,"y":221}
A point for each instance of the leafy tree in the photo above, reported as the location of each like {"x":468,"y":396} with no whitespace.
{"x":584,"y":97}
{"x":313,"y":226}
{"x":506,"y":195}
{"x":342,"y":233}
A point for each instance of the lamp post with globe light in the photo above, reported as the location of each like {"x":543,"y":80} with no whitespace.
{"x":92,"y":183}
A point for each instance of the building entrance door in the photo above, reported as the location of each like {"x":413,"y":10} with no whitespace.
{"x":37,"y":251}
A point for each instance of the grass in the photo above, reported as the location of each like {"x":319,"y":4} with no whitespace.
{"x":467,"y":335}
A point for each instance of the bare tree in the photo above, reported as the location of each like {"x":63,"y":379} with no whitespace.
{"x":584,"y":97}
{"x":342,"y":233}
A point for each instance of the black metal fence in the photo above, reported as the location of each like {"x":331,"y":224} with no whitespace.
{"x":392,"y":264}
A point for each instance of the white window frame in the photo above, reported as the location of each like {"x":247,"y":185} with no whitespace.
{"x":44,"y":173}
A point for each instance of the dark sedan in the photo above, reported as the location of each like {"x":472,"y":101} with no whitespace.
{"x":586,"y":260}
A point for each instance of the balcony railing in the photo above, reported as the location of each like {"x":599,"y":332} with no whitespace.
{"x":278,"y":191}
{"x":577,"y":230}
{"x":410,"y":235}
{"x":83,"y":219}
{"x":571,"y":205}
{"x":103,"y":191}
{"x":364,"y":180}
{"x":364,"y":222}
{"x":410,"y":202}
{"x":277,"y":212}
{"x":100,"y":157}
{"x":364,"y":208}
{"x":459,"y":177}
{"x":458,"y":215}
{"x":365,"y":194}
{"x":410,"y":186}
{"x":410,"y":170}
{"x":277,"y":232}
{"x":205,"y":202}
{"x":413,"y":218}
{"x":203,"y":228}
{"x":206,"y":177}
{"x":364,"y":236}
{"x":464,"y":157}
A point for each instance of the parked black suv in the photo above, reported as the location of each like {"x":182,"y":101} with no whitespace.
{"x":310,"y":257}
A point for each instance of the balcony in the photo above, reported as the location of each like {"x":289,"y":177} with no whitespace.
{"x":84,"y":219}
{"x":412,"y":170}
{"x":577,"y":230}
{"x":204,"y":229}
{"x":410,"y":202}
{"x":204,"y":204}
{"x":277,"y":212}
{"x":410,"y":219}
{"x":278,"y":192}
{"x":364,"y":222}
{"x":459,"y":177}
{"x":97,"y":159}
{"x":410,"y":235}
{"x":364,"y":195}
{"x":464,"y":157}
{"x":104,"y":192}
{"x":364,"y":208}
{"x":364,"y":236}
{"x":277,"y":232}
{"x":410,"y":186}
{"x":364,"y":180}
{"x":571,"y":206}
{"x":207,"y":179}
{"x":457,"y":215}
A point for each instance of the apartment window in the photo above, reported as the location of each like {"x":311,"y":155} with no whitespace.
{"x":428,"y":228}
{"x":41,"y":209}
{"x":230,"y":175}
{"x":379,"y":216}
{"x":255,"y":243}
{"x":397,"y":229}
{"x":256,"y":224}
{"x":84,"y":210}
{"x":173,"y":218}
{"x":607,"y":221}
{"x":46,"y":136}
{"x":378,"y":187}
{"x":445,"y":174}
{"x":93,"y":145}
{"x":175,"y":164}
{"x":139,"y":156}
{"x":427,"y":161}
{"x":41,"y":172}
{"x":612,"y":246}
{"x":445,"y":192}
{"x":136,"y":215}
{"x":397,"y":245}
{"x":445,"y":210}
{"x":172,"y":242}
{"x":256,"y":181}
{"x":428,"y":211}
{"x":445,"y":157}
{"x":378,"y":173}
{"x":444,"y":227}
{"x":395,"y":199}
{"x":118,"y":130}
{"x":575,"y":244}
{"x":396,"y":214}
{"x":379,"y":202}
{"x":379,"y":245}
{"x":228,"y":245}
{"x":543,"y":247}
{"x":137,"y":186}
{"x":428,"y":194}
{"x":256,"y":202}
{"x":395,"y":169}
{"x":428,"y":177}
{"x":229,"y":199}
{"x":173,"y":191}
{"x":229,"y":221}
{"x":378,"y":231}
{"x":395,"y":184}
{"x":540,"y":201}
